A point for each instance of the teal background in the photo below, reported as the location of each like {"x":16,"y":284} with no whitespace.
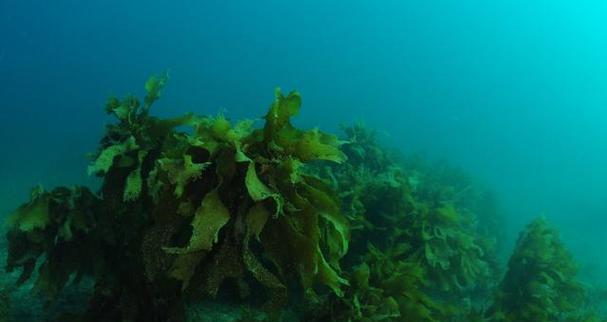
{"x":512,"y":91}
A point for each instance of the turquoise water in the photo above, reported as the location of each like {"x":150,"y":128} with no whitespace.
{"x":515,"y":92}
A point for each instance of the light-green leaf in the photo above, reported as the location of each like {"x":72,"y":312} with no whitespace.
{"x":208,"y":220}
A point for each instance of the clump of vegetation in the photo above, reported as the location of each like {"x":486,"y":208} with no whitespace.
{"x":416,"y":249}
{"x":384,"y":287}
{"x":187,"y":212}
{"x":199,"y":206}
{"x":540,"y":284}
{"x":53,"y":228}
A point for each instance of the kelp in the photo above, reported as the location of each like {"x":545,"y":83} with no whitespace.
{"x":54,"y":229}
{"x":181,"y":212}
{"x":202,"y":207}
{"x":384,"y":287}
{"x":440,"y":183}
{"x":540,"y":284}
{"x":449,"y":249}
{"x":418,"y":248}
{"x":445,"y":231}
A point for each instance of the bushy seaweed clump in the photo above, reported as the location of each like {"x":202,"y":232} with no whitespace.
{"x":416,"y":251}
{"x":540,"y":284}
{"x":183,"y":212}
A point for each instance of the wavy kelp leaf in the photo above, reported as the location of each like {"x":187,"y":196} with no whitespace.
{"x":210,"y":217}
{"x":259,"y":191}
{"x":240,"y":156}
{"x":134,"y":182}
{"x":241,"y":130}
{"x":215,"y":128}
{"x":133,"y":186}
{"x":212,"y":133}
{"x":328,"y":209}
{"x":305,"y":145}
{"x":292,"y":169}
{"x":153,"y":88}
{"x":291,"y":252}
{"x":204,"y":142}
{"x":315,"y":145}
{"x":180,"y":172}
{"x":33,"y":215}
{"x":281,"y":110}
{"x":106,"y":158}
{"x":328,"y":276}
{"x":292,"y":245}
{"x":205,"y":131}
{"x":115,"y":106}
{"x":124,"y":110}
{"x":237,"y":135}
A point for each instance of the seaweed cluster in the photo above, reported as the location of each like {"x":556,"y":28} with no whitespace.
{"x":431,"y":250}
{"x":335,"y":229}
{"x":187,"y":211}
{"x":540,"y":284}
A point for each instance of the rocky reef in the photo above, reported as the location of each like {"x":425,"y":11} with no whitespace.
{"x":278,"y":223}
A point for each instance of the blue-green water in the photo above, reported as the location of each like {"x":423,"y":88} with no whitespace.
{"x":515,"y":92}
